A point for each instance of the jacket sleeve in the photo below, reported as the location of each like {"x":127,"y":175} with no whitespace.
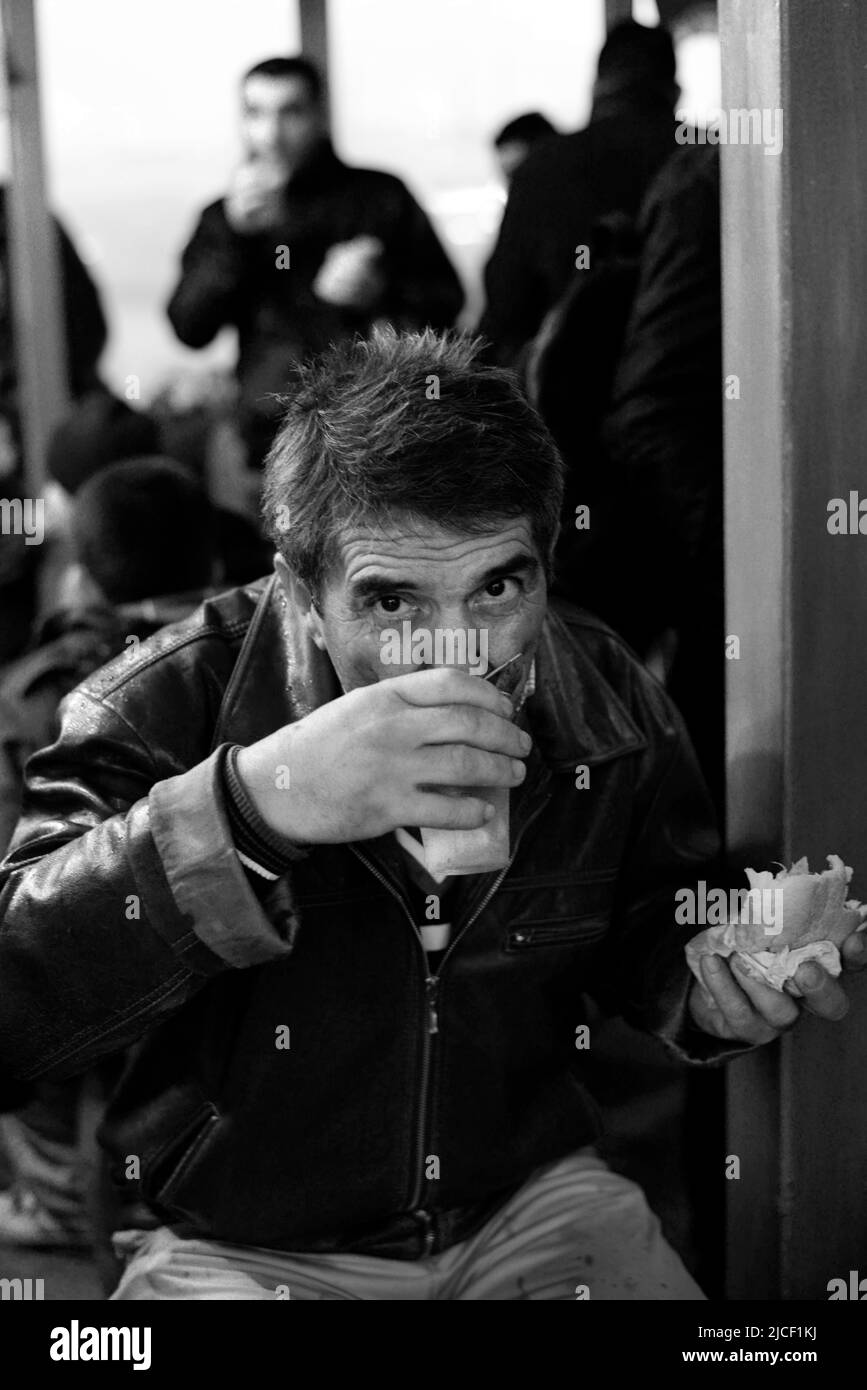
{"x":641,"y":972}
{"x":14,"y":739}
{"x":121,"y":896}
{"x":86,"y":329}
{"x":425,"y":289}
{"x":208,"y":295}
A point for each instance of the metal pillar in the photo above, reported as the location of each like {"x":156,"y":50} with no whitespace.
{"x":313,"y":15}
{"x":35,"y":284}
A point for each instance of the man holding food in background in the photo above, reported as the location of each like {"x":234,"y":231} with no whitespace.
{"x":304,"y":250}
{"x":353,"y":1077}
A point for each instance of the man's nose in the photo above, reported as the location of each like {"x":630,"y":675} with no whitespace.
{"x":455,"y":616}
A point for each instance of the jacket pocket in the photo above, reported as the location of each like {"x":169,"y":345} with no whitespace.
{"x":556,"y":931}
{"x":178,"y":1157}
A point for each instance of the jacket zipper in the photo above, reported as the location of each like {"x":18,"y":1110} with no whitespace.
{"x":432,"y":982}
{"x":527,"y":937}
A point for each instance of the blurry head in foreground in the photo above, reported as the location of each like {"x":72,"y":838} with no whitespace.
{"x":144,"y":529}
{"x":516,"y":139}
{"x":282,"y":112}
{"x":410,"y":484}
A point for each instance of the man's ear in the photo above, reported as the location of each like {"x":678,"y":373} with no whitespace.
{"x":298,"y":594}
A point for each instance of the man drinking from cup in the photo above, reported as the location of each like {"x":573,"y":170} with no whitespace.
{"x":355,"y":1074}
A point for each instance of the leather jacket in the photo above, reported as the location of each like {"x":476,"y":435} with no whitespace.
{"x":68,"y":646}
{"x":127,"y":921}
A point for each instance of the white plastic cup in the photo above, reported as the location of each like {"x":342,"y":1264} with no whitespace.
{"x":478,"y":851}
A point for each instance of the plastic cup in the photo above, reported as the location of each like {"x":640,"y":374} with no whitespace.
{"x":470,"y":851}
{"x":487,"y":849}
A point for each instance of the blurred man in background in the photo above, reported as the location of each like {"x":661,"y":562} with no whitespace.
{"x":303,"y":250}
{"x":517,"y":138}
{"x":565,"y":187}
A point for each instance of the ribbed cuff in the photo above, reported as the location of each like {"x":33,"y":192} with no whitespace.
{"x":259,"y":847}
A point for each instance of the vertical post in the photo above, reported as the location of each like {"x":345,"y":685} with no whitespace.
{"x":313,"y":15}
{"x":794,"y":281}
{"x":616,"y":11}
{"x":40,"y":347}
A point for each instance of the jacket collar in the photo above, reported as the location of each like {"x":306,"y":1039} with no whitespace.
{"x":574,"y":716}
{"x":320,"y":170}
{"x":280,"y":675}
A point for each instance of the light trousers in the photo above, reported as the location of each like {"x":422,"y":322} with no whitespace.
{"x":574,"y":1230}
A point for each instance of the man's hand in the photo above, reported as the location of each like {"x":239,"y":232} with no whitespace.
{"x":743,"y":1009}
{"x":350,"y":277}
{"x":254,"y":200}
{"x":371,"y":760}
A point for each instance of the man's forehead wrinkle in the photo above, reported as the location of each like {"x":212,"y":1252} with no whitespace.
{"x":364,"y":546}
{"x":410,"y":572}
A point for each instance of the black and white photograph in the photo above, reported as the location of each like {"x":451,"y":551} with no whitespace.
{"x":433,"y":729}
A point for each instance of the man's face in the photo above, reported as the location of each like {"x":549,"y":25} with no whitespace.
{"x":491,"y":587}
{"x":281,"y":120}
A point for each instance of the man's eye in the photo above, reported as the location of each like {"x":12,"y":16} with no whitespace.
{"x":501,"y":588}
{"x":390,"y":603}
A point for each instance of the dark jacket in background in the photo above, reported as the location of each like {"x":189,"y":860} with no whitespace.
{"x":323,"y":1145}
{"x":664,"y":438}
{"x":84,"y":321}
{"x":570,"y":370}
{"x":231,"y":279}
{"x":86,"y":334}
{"x":558,"y":194}
{"x":572,"y":360}
{"x":665,"y":419}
